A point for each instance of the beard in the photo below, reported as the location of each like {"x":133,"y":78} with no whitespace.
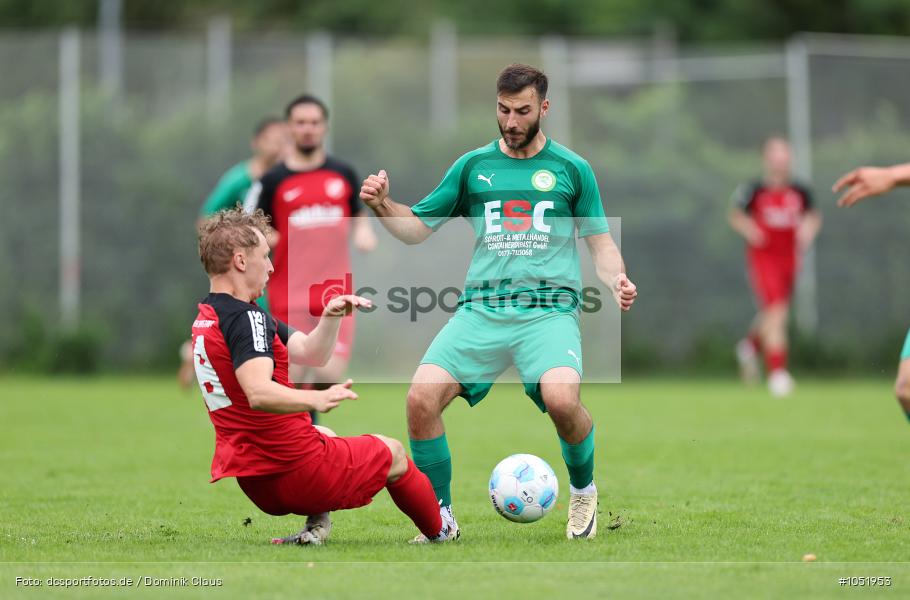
{"x":533,"y":129}
{"x":307,"y":149}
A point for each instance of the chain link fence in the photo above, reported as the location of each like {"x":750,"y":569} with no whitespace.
{"x":669,"y":131}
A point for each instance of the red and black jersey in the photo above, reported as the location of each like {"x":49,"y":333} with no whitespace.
{"x":777,"y":211}
{"x":228,"y":332}
{"x":311,"y":211}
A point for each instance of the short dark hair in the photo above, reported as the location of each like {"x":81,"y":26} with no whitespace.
{"x":265,"y":124}
{"x":306,"y":99}
{"x":517,"y":77}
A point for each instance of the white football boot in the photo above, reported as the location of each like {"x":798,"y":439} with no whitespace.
{"x":582,"y":516}
{"x":450,"y":531}
{"x":780,"y":383}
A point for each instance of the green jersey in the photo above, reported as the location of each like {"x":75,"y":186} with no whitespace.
{"x":230,"y":189}
{"x":525,"y":214}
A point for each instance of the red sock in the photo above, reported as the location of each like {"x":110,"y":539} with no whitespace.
{"x":414,"y":496}
{"x":755,"y":340}
{"x":776,"y":359}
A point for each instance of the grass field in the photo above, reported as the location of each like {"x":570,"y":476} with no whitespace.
{"x":720,"y":490}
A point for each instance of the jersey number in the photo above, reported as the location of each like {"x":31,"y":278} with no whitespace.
{"x":212,"y":390}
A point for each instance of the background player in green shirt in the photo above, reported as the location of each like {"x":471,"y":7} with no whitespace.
{"x":270,"y":143}
{"x":525,"y":196}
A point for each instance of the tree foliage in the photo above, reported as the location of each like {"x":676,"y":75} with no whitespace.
{"x":691,"y":20}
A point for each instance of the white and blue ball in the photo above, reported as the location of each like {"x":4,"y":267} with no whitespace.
{"x":523,"y":488}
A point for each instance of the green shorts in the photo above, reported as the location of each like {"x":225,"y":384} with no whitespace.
{"x":905,"y":352}
{"x":479,"y":343}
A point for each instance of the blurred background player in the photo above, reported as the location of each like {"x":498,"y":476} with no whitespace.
{"x":270,"y":143}
{"x":860,"y":184}
{"x":776,"y":218}
{"x":542,"y":178}
{"x":312,"y":200}
{"x":264,"y":435}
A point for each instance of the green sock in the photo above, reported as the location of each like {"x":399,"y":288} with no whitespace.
{"x":579,"y":460}
{"x":434,"y":459}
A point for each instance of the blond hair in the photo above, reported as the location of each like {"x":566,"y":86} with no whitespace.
{"x":226,"y":231}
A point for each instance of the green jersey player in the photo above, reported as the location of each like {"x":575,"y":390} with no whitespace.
{"x":269,"y":144}
{"x":526,"y":197}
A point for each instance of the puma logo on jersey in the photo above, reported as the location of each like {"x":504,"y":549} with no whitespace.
{"x":487,"y":179}
{"x":291,"y":195}
{"x":575,"y":356}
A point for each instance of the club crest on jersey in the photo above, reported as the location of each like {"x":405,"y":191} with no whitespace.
{"x":334,"y":188}
{"x":543,"y":180}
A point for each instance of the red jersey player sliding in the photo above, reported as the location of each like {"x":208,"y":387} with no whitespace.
{"x":778,"y":222}
{"x":263,"y":434}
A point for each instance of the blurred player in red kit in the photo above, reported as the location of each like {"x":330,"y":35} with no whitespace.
{"x":776,"y":217}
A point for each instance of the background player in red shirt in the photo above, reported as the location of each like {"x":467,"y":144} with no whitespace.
{"x":776,"y":218}
{"x":264,"y":435}
{"x":860,"y":184}
{"x":315,"y":210}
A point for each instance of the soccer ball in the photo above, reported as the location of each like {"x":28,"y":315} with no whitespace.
{"x":523,"y":488}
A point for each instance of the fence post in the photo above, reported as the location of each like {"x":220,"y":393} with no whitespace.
{"x":555,"y":57}
{"x":110,"y":47}
{"x":443,"y":77}
{"x":319,"y":57}
{"x":69,"y":177}
{"x":218,"y":68}
{"x":799,"y":122}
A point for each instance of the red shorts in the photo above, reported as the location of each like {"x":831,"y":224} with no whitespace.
{"x":350,"y":472}
{"x":772,"y":277}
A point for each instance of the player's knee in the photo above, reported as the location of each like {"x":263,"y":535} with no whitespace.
{"x":325,"y":431}
{"x":562,"y":406}
{"x":399,"y":464}
{"x":422,"y":403}
{"x":776,"y":315}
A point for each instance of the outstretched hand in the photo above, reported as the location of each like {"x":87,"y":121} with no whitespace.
{"x":328,"y":399}
{"x":342,"y":306}
{"x":863,"y":183}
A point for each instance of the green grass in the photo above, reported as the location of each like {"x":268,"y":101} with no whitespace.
{"x":721,"y":490}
